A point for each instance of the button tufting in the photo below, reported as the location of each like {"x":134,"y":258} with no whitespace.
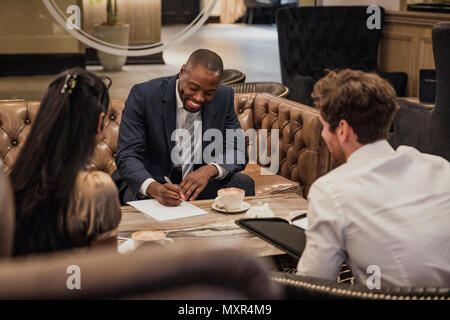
{"x":241,"y":110}
{"x":113,"y":117}
{"x":14,"y":142}
{"x":27,"y":121}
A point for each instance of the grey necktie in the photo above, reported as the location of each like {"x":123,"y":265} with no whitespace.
{"x":187,"y":158}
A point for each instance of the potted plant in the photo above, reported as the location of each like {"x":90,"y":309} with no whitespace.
{"x":112,"y":32}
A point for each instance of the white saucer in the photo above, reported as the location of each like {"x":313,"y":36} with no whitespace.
{"x":244,"y":207}
{"x":127,"y":247}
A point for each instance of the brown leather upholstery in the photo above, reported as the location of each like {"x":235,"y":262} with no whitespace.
{"x":275,"y":88}
{"x":6,"y":216}
{"x":203,"y":271}
{"x":105,"y":152}
{"x":16,"y":117}
{"x":232,"y":76}
{"x":303,"y":154}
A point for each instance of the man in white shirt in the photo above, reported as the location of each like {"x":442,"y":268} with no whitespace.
{"x":383,"y":211}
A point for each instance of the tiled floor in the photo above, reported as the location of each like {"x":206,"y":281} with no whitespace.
{"x":249,"y":48}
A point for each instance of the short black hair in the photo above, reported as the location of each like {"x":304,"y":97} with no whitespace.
{"x":207,"y":58}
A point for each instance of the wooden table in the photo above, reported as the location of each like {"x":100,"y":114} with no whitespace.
{"x":214,"y":225}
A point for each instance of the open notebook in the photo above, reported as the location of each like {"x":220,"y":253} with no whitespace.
{"x":288,"y":236}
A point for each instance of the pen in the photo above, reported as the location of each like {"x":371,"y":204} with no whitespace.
{"x":167,"y":180}
{"x":170,"y":182}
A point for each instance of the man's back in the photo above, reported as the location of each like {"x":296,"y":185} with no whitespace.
{"x":386,"y":208}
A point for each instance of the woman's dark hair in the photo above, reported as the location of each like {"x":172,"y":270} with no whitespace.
{"x":60,"y":144}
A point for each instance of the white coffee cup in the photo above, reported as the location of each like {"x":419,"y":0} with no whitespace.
{"x":230,"y":198}
{"x":150,"y":237}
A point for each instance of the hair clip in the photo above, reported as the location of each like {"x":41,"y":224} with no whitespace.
{"x":69,"y":83}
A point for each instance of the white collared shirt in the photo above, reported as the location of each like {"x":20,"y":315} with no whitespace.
{"x":182,"y":115}
{"x":383,"y":208}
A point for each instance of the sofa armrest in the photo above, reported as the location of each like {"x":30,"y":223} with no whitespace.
{"x":208,"y":269}
{"x":300,"y":287}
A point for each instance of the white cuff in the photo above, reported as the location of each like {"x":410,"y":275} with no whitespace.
{"x":222,"y":171}
{"x":144,"y":186}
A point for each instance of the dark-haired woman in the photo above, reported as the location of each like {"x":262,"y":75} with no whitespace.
{"x":60,"y":205}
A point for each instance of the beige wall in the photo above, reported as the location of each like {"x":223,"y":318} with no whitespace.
{"x":143,"y":16}
{"x":406,"y":44}
{"x":26,"y":27}
{"x":387,"y":4}
{"x":216,"y":11}
{"x":306,"y":3}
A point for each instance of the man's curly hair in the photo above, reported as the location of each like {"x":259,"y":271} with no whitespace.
{"x":365,"y":100}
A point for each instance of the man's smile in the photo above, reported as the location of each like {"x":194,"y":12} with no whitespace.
{"x":193,"y":105}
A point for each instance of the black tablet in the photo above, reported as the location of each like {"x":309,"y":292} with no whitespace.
{"x":278,"y":232}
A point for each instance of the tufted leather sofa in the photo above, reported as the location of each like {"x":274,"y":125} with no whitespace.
{"x":275,"y":88}
{"x":303,"y":154}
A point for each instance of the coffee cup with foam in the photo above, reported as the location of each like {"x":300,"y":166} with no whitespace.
{"x":150,"y":237}
{"x":230,"y":198}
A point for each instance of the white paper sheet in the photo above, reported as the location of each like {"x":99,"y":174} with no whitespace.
{"x":159,"y":212}
{"x":301,"y":223}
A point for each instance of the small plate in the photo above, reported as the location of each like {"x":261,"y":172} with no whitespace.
{"x":244,"y":207}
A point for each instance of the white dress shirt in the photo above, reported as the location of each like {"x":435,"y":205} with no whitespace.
{"x":385,"y":208}
{"x":182,"y":114}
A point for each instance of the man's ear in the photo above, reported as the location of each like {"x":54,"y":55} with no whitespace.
{"x":101,"y":119}
{"x":343,"y":131}
{"x":182,"y":70}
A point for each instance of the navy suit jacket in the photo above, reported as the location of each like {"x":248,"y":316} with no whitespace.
{"x":148,"y":120}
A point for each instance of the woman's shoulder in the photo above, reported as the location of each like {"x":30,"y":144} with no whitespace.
{"x":94,"y":181}
{"x":94,"y":209}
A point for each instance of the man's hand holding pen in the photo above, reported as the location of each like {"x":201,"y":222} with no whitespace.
{"x":167,"y":194}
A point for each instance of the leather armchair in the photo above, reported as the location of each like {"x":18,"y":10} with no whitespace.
{"x":303,"y":155}
{"x":231,"y":76}
{"x":260,"y":6}
{"x":314,"y":39}
{"x":428,"y":129}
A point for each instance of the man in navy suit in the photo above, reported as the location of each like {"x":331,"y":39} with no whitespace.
{"x":192,"y":102}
